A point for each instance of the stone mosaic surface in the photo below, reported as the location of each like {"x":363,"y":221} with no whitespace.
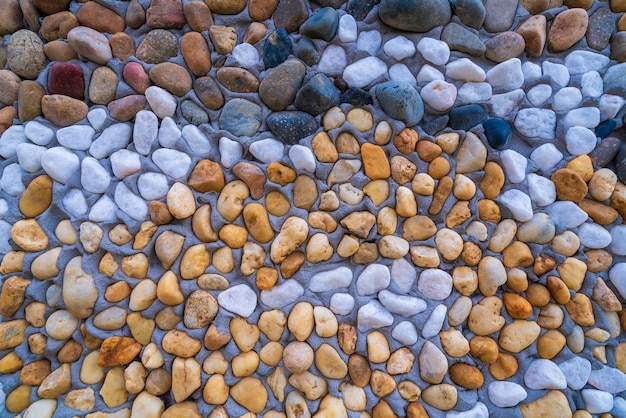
{"x":283,"y":208}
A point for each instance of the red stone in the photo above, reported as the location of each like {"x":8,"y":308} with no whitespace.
{"x":136,"y":77}
{"x":66,"y":78}
{"x":166,"y":14}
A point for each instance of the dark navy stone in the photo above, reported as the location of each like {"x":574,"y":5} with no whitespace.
{"x":276,"y":49}
{"x":194,"y":113}
{"x":620,"y":165}
{"x":498,"y":132}
{"x":471,"y":12}
{"x":306,"y":50}
{"x":359,"y":9}
{"x":400,"y":101}
{"x":317,"y":95}
{"x":464,"y":118}
{"x":415,"y":15}
{"x":356,"y":97}
{"x":604,"y":153}
{"x":241,"y":117}
{"x":290,"y":127}
{"x":605,"y":128}
{"x":322,"y":25}
{"x":436,"y":125}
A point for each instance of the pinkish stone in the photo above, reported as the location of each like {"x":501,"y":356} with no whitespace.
{"x":126,"y":108}
{"x":166,"y":14}
{"x":136,"y":77}
{"x":66,"y":78}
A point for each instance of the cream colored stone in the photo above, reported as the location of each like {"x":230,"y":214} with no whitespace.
{"x":142,"y":296}
{"x":464,"y":188}
{"x":245,"y":364}
{"x":485,"y":318}
{"x":464,"y":280}
{"x":602,"y":184}
{"x":28,"y":235}
{"x":377,"y":190}
{"x":271,"y":353}
{"x":231,"y":199}
{"x":135,"y":266}
{"x":201,"y":224}
{"x":326,"y":324}
{"x":147,"y":405}
{"x":454,"y":343}
{"x":400,"y":361}
{"x":433,"y":364}
{"x":503,"y":235}
{"x":185,"y":378}
{"x":292,"y":233}
{"x":423,"y":184}
{"x":491,"y":275}
{"x":518,"y":335}
{"x":215,"y":390}
{"x":135,"y":377}
{"x":406,"y":205}
{"x":378,"y":350}
{"x":79,"y":289}
{"x":354,"y":397}
{"x":318,"y":248}
{"x":65,"y":232}
{"x":449,"y":243}
{"x":152,"y":357}
{"x":347,"y":246}
{"x":295,"y":405}
{"x":272,"y":324}
{"x":56,"y":383}
{"x":224,"y":260}
{"x":301,"y":320}
{"x":244,"y":333}
{"x":566,"y":243}
{"x":313,"y":387}
{"x":424,"y":256}
{"x":45,"y":267}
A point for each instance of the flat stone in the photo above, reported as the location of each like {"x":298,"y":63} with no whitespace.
{"x":90,"y":44}
{"x":364,"y":71}
{"x":600,"y":29}
{"x":504,"y":46}
{"x":322,"y":25}
{"x":166,"y":14}
{"x":499,"y":15}
{"x":196,"y":53}
{"x":466,"y":117}
{"x":536,"y":123}
{"x":159,"y":45}
{"x":290,"y":15}
{"x":100,"y":18}
{"x":533,"y":30}
{"x":209,"y":93}
{"x":461,"y":39}
{"x":292,"y":126}
{"x":63,"y":110}
{"x":472,"y":13}
{"x":286,"y":78}
{"x":407,"y":14}
{"x":307,"y":51}
{"x":317,"y":95}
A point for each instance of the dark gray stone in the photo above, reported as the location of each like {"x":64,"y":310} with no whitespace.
{"x":471,"y":12}
{"x":415,"y":15}
{"x":317,"y":95}
{"x":322,"y":25}
{"x":400,"y":101}
{"x":290,"y":127}
{"x":499,"y":14}
{"x":462,"y":39}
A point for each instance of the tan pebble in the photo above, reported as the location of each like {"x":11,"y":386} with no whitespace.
{"x":271,"y":353}
{"x":326,"y":324}
{"x":350,"y":194}
{"x":504,"y":367}
{"x":400,"y":361}
{"x":215,"y":339}
{"x":418,"y":228}
{"x":215,"y":363}
{"x":120,"y":235}
{"x":517,"y":280}
{"x":301,"y":320}
{"x":329,"y":363}
{"x":402,"y":169}
{"x":323,"y":221}
{"x":428,"y":151}
{"x":558,"y":290}
{"x":292,"y":233}
{"x":194,"y":262}
{"x":502,"y":235}
{"x":346,"y":143}
{"x":188,"y":409}
{"x":28,"y":235}
{"x":582,"y":165}
{"x":423,"y":184}
{"x":257,"y":222}
{"x":433,"y":364}
{"x":318,"y":248}
{"x":459,"y":311}
{"x":37,"y":344}
{"x":409,"y":391}
{"x":378,"y":350}
{"x":543,"y":264}
{"x":280,"y":174}
{"x":56,"y":383}
{"x":277,"y":382}
{"x":572,"y":272}
{"x":231,"y":199}
{"x":605,"y":297}
{"x":122,"y":46}
{"x":438,"y":168}
{"x":200,"y":309}
{"x":110,"y":319}
{"x":406,"y":205}
{"x":168,"y":247}
{"x":393,"y":247}
{"x":580,"y":310}
{"x":63,"y":110}
{"x":366,"y":254}
{"x":90,"y":236}
{"x":471,"y":254}
{"x":142,"y":296}
{"x":141,"y":328}
{"x":449,"y":243}
{"x":491,"y":275}
{"x":266,"y":278}
{"x":485,"y":318}
{"x":550,"y":344}
{"x":599,"y":353}
{"x":600,"y":213}
{"x":466,"y":376}
{"x":305,"y":192}
{"x":358,"y":223}
{"x":37,"y":197}
{"x":272,"y":324}
{"x":135,"y":377}
{"x":180,"y":201}
{"x":550,"y":316}
{"x":406,"y":140}
{"x":244,"y":334}
{"x":518,"y":335}
{"x":602,"y":184}
{"x":464,"y":280}
{"x":234,"y":236}
{"x":492,"y":181}
{"x":147,"y":405}
{"x":90,"y":372}
{"x":442,"y":397}
{"x":332,"y":406}
{"x":620,"y":356}
{"x":35,"y":314}
{"x":313,"y":387}
{"x":377,"y":190}
{"x":424,"y":256}
{"x":618,"y":198}
{"x":298,"y":356}
{"x":223,"y":38}
{"x":533,"y":30}
{"x":12,"y":295}
{"x":448,"y":142}
{"x":180,"y":344}
{"x":347,"y":338}
{"x":277,"y":204}
{"x":152,"y":357}
{"x":79,"y":290}
{"x":484,"y":349}
{"x":569,"y":185}
{"x":383,"y":132}
{"x":359,"y":370}
{"x":185,"y":378}
{"x":144,"y":235}
{"x":158,"y":382}
{"x":566,"y":243}
{"x":361,"y":119}
{"x":464,"y":187}
{"x":518,"y":254}
{"x":253,"y":257}
{"x":118,"y":351}
{"x":348,"y":246}
{"x":324,"y":148}
{"x":61,"y":324}
{"x":381,"y":383}
{"x":375,"y":162}
{"x":201,"y":224}
{"x":12,"y":262}
{"x":354,"y":397}
{"x":442,"y":192}
{"x":387,"y":221}
{"x":135,"y":266}
{"x":598,"y":335}
{"x":333,"y":118}
{"x":553,"y":404}
{"x":19,"y":399}
{"x":118,"y":291}
{"x":34,"y":373}
{"x":488,"y":211}
{"x":516,"y":305}
{"x":10,"y":363}
{"x":252,"y":175}
{"x":296,"y":404}
{"x":568,"y":27}
{"x":454,"y":343}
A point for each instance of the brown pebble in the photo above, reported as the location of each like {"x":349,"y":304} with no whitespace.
{"x":7,"y":114}
{"x":466,"y":375}
{"x":60,"y":51}
{"x":37,"y":196}
{"x":291,"y":264}
{"x":101,"y":18}
{"x":158,"y":46}
{"x":207,"y":176}
{"x":126,"y":108}
{"x":253,"y":176}
{"x":261,"y":10}
{"x":198,"y":15}
{"x":118,"y":351}
{"x":172,"y":77}
{"x":598,"y":260}
{"x":195,"y":51}
{"x":63,"y":110}
{"x":406,"y":141}
{"x":135,"y":14}
{"x":103,"y":85}
{"x":238,"y":80}
{"x":504,"y":367}
{"x":165,"y":14}
{"x":209,"y":93}
{"x":568,"y":27}
{"x":305,"y":192}
{"x":255,"y":32}
{"x":537,"y":294}
{"x":442,"y":192}
{"x":58,"y":25}
{"x":122,"y":46}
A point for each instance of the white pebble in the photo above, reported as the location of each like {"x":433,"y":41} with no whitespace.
{"x":267,"y":150}
{"x":152,"y":186}
{"x":474,"y":92}
{"x":427,"y":74}
{"x":145,"y":131}
{"x":130,"y":203}
{"x":125,"y":163}
{"x":302,"y":158}
{"x":162,"y":103}
{"x":246,"y":55}
{"x":507,"y":75}
{"x":11,"y":180}
{"x":169,"y":134}
{"x":618,"y":234}
{"x":541,"y":190}
{"x":478,"y":411}
{"x":504,"y":104}
{"x":4,"y":208}
{"x":5,"y":236}
{"x":60,"y":163}
{"x":536,"y":123}
{"x":347,"y":30}
{"x":580,"y":140}
{"x":230,"y":152}
{"x":171,"y":162}
{"x":364,"y":71}
{"x":608,"y":379}
{"x":580,"y":62}
{"x":104,"y":210}
{"x":113,"y":138}
{"x":544,"y":374}
{"x":434,"y":50}
{"x":514,"y":165}
{"x":339,"y":278}
{"x":374,"y":278}
{"x":29,"y":156}
{"x":399,"y":48}
{"x":566,"y":214}
{"x":589,"y":117}
{"x":518,"y":203}
{"x":10,"y":139}
{"x":403,"y":274}
{"x":333,"y":61}
{"x":594,"y":236}
{"x":37,"y":133}
{"x":240,"y":300}
{"x":74,"y":203}
{"x":464,"y":69}
{"x":400,"y":304}
{"x":439,"y":95}
{"x":76,"y":137}
{"x":576,"y":371}
{"x":610,"y":105}
{"x":546,"y":156}
{"x":405,"y":333}
{"x":506,"y":394}
{"x":369,"y":41}
{"x":435,"y":321}
{"x":282,"y":295}
{"x":597,"y":401}
{"x":434,"y":284}
{"x":97,"y":117}
{"x":93,"y":177}
{"x":558,"y":72}
{"x":400,"y":72}
{"x":531,"y":70}
{"x":373,"y":315}
{"x":592,"y":84}
{"x":539,"y":94}
{"x":342,"y":303}
{"x":566,"y":99}
{"x":198,"y":142}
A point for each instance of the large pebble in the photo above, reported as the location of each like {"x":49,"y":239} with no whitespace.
{"x":25,"y":54}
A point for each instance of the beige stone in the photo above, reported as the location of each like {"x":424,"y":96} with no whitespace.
{"x":271,"y":353}
{"x":518,"y":335}
{"x":454,"y":343}
{"x":406,"y":205}
{"x":250,"y":393}
{"x":185,"y":378}
{"x":301,"y":320}
{"x":423,"y":184}
{"x":180,"y":344}
{"x":433,"y":364}
{"x":329,"y":363}
{"x":359,"y":370}
{"x":28,"y":235}
{"x":553,"y":404}
{"x":485,"y":318}
{"x":215,"y":390}
{"x":194,"y":262}
{"x":572,"y":272}
{"x":292,"y":233}
{"x":56,"y":383}
{"x":244,"y":333}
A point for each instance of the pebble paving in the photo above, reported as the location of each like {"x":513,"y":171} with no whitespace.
{"x":284,"y":208}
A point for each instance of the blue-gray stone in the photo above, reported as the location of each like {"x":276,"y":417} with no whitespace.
{"x":194,"y":113}
{"x":436,"y":125}
{"x":605,"y":128}
{"x":499,"y":14}
{"x":498,"y":132}
{"x":620,"y":164}
{"x":306,"y":50}
{"x":322,"y":25}
{"x":415,"y":15}
{"x":317,"y":95}
{"x":462,"y":39}
{"x":276,"y":49}
{"x":615,"y":79}
{"x":241,"y":117}
{"x":356,"y":97}
{"x":464,"y":118}
{"x":603,"y":154}
{"x":359,"y":9}
{"x":400,"y":101}
{"x":291,"y":126}
{"x":471,"y":12}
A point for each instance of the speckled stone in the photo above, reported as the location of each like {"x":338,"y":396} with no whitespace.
{"x":276,"y":48}
{"x":159,"y":45}
{"x":409,"y":15}
{"x":290,"y":127}
{"x":25,"y":54}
